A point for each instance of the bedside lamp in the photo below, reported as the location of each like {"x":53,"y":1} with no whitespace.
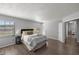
{"x":18,"y":33}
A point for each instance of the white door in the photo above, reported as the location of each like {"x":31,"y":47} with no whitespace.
{"x":61,"y":31}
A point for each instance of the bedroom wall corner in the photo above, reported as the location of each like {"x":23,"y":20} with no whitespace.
{"x":51,"y":29}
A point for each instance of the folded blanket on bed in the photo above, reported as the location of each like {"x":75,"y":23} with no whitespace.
{"x":36,"y":39}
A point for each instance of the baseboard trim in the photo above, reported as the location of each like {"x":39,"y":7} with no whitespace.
{"x":12,"y":43}
{"x":61,"y":41}
{"x":52,"y":38}
{"x":56,"y":40}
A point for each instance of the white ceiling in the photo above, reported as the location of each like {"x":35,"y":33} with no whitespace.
{"x":41,"y":11}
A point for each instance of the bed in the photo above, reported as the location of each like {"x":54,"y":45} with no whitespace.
{"x":32,"y":40}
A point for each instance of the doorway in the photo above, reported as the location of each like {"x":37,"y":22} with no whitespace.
{"x":71,"y":32}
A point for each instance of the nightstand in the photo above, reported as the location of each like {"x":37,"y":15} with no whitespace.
{"x":18,"y":39}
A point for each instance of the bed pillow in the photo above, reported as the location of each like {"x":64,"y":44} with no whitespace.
{"x":27,"y":32}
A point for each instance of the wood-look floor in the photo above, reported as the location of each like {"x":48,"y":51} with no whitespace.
{"x":54,"y":48}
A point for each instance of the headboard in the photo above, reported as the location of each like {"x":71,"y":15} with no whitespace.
{"x":30,"y":31}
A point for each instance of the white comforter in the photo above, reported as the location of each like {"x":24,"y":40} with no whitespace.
{"x":33,"y":40}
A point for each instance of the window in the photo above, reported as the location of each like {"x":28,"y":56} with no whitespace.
{"x":6,"y":28}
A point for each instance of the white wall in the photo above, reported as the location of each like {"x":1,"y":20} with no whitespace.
{"x":51,"y":29}
{"x":55,"y":30}
{"x":19,"y":24}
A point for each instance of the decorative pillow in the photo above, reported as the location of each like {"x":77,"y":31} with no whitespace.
{"x":24,"y":33}
{"x":27,"y":32}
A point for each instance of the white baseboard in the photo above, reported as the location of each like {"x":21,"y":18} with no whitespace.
{"x":12,"y":43}
{"x":62,"y":41}
{"x":52,"y":38}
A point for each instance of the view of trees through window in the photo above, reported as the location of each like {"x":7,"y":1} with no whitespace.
{"x":7,"y":28}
